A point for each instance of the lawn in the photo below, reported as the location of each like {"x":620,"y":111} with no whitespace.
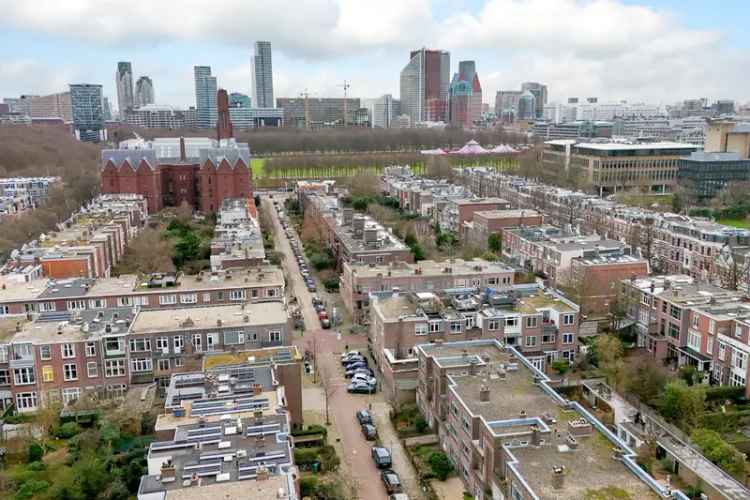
{"x":256,"y":166}
{"x":741,"y":223}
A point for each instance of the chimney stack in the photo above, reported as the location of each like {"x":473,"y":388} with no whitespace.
{"x":183,"y":153}
{"x":558,"y":476}
{"x":224,"y":129}
{"x":484,"y":394}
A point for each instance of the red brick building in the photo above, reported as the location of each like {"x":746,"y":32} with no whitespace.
{"x":199,"y":171}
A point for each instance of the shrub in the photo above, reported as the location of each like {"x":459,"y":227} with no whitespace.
{"x":441,"y":465}
{"x":308,"y":486}
{"x":36,"y":466}
{"x":420,"y":424}
{"x":35,"y":452}
{"x":66,"y":430}
{"x":719,"y":451}
{"x":30,"y":488}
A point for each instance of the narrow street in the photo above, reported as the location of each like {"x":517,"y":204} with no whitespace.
{"x":329,"y":344}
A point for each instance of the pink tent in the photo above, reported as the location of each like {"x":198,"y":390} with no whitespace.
{"x":471,"y":148}
{"x":437,"y":151}
{"x":503,"y":149}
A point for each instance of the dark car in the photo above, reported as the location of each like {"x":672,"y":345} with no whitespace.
{"x":325,"y":323}
{"x":381,"y":456}
{"x":360,"y":389}
{"x":364,"y":417}
{"x":369,"y":432}
{"x":391,"y":481}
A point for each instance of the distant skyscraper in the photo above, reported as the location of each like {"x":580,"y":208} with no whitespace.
{"x":262,"y":75}
{"x":239,"y":100}
{"x":124,"y":82}
{"x":527,"y":106}
{"x":144,"y":91}
{"x":383,"y":111}
{"x":465,"y":95}
{"x":425,"y":81}
{"x":506,"y":103}
{"x":539,"y":92}
{"x":205,"y":97}
{"x":88,"y":118}
{"x":106,"y":109}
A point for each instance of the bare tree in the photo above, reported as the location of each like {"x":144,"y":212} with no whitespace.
{"x":733,"y":267}
{"x":329,"y":389}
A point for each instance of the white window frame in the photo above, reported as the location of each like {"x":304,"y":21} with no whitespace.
{"x":531,"y":322}
{"x":162,"y":344}
{"x":24,"y":375}
{"x":207,"y":297}
{"x":27,"y":401}
{"x":237,"y":294}
{"x":68,"y":350}
{"x":274,"y":336}
{"x":198,"y":342}
{"x":139,"y":344}
{"x":45,"y":352}
{"x":179,"y":343}
{"x":421,"y":329}
{"x":212,"y":342}
{"x":70,"y":372}
{"x":92,"y":369}
{"x":169,"y":299}
{"x":90,"y":349}
{"x":70,"y":395}
{"x":569,"y":319}
{"x":178,"y":362}
{"x":77,"y":305}
{"x":97,"y":303}
{"x":530,"y":341}
{"x":141,"y":365}
{"x":115,"y":368}
{"x":567,"y":338}
{"x":163,"y":364}
{"x":188,"y":298}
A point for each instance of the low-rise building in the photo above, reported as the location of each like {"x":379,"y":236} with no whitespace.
{"x":237,"y":240}
{"x":488,"y":222}
{"x":704,"y":175}
{"x":357,"y":281}
{"x":457,"y":212}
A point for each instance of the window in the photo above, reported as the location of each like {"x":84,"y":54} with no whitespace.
{"x":162,"y":364}
{"x":140,"y":345}
{"x":68,"y":351}
{"x":272,"y":292}
{"x":198,"y":342}
{"x":76,"y":305}
{"x":694,"y":340}
{"x":722,"y":352}
{"x":4,"y":377}
{"x":455,"y":327}
{"x":568,"y":319}
{"x":166,"y":300}
{"x":531,"y":341}
{"x":694,"y":320}
{"x":675,"y":312}
{"x":674,"y":331}
{"x":140,"y":365}
{"x":24,"y":376}
{"x":178,"y":362}
{"x":434,"y":326}
{"x":420,"y":329}
{"x":45,"y":352}
{"x":162,"y":344}
{"x":48,"y":374}
{"x":493,"y":324}
{"x":737,"y":380}
{"x":70,"y":372}
{"x":114,"y":345}
{"x":237,"y":295}
{"x":511,"y":322}
{"x":567,"y":338}
{"x":90,"y":349}
{"x":207,"y":297}
{"x":710,"y":345}
{"x":189,"y":298}
{"x":548,"y":339}
{"x":251,"y":336}
{"x":3,"y":353}
{"x":71,"y":395}
{"x":92,"y":369}
{"x":114,"y":368}
{"x":531,"y":322}
{"x":712,"y":326}
{"x":124,"y":301}
{"x":26,"y":401}
{"x":274,"y":336}
{"x":212,"y":341}
{"x":254,"y":293}
{"x":739,"y":359}
{"x":47,"y":307}
{"x":178,"y":343}
{"x":492,"y":281}
{"x":97,"y":304}
{"x":232,"y":338}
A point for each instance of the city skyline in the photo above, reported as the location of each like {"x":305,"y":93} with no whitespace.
{"x":670,"y":55}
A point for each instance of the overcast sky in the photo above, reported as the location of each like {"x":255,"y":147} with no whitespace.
{"x":657,"y":51}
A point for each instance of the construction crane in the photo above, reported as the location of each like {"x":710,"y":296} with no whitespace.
{"x":346,"y":88}
{"x":306,"y":95}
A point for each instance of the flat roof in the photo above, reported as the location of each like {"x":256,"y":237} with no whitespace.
{"x":616,"y":146}
{"x":429,"y":268}
{"x":245,"y":490}
{"x":205,"y":317}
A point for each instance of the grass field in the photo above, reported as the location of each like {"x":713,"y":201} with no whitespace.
{"x":741,"y":223}
{"x":256,"y":165}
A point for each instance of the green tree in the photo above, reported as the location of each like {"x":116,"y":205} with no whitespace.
{"x":34,"y":453}
{"x":495,"y":243}
{"x":719,"y":451}
{"x":560,"y":366}
{"x":30,"y":488}
{"x":609,"y":357}
{"x":186,"y":249}
{"x":682,"y":404}
{"x":441,"y":465}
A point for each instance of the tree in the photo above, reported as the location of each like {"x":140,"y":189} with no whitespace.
{"x":609,"y":357}
{"x":495,"y":243}
{"x":186,"y":249}
{"x":148,"y":253}
{"x":441,"y":465}
{"x":677,"y":202}
{"x":719,"y":451}
{"x":560,"y":366}
{"x":683,"y":405}
{"x":364,"y":185}
{"x":645,"y":379}
{"x":439,"y":167}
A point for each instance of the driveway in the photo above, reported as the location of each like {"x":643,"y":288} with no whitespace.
{"x":342,"y":406}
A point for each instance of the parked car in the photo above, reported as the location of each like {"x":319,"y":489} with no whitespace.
{"x":364,"y":417}
{"x":353,"y":367}
{"x":349,"y":363}
{"x":311,"y":288}
{"x":352,"y":359}
{"x":382,"y":457}
{"x":351,"y":373}
{"x":346,"y":354}
{"x":364,"y":378}
{"x":325,"y":323}
{"x":391,"y":481}
{"x":360,"y":389}
{"x":369,"y":432}
{"x":398,"y":496}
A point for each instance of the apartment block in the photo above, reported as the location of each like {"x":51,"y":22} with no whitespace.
{"x":357,"y":281}
{"x":541,"y":323}
{"x":103,"y":352}
{"x":510,"y":435}
{"x":237,"y":241}
{"x":458,"y":212}
{"x":487,"y":222}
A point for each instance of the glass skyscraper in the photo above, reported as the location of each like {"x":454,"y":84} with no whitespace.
{"x":88,"y":113}
{"x":124,"y":80}
{"x":262,"y":75}
{"x":205,"y":97}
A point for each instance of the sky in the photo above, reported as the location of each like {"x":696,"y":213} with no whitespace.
{"x":655,"y":51}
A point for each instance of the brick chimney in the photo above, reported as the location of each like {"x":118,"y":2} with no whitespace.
{"x":183,"y":153}
{"x":223,"y":124}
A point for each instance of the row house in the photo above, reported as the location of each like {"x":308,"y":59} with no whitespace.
{"x":237,"y":240}
{"x":59,"y":298}
{"x":101,"y":353}
{"x":488,"y":222}
{"x":458,"y":212}
{"x":357,"y":281}
{"x":509,"y":434}
{"x":540,"y":323}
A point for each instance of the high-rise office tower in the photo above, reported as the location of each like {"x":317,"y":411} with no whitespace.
{"x":88,"y":114}
{"x":262,"y":75}
{"x":205,"y":97}
{"x":527,"y":106}
{"x":383,"y":111}
{"x":144,"y":91}
{"x":539,"y":92}
{"x":106,"y":109}
{"x":465,"y":95}
{"x":425,"y":81}
{"x":124,"y":82}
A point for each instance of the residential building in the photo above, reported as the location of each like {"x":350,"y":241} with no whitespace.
{"x":198,"y":171}
{"x":124,"y":84}
{"x":487,"y":222}
{"x":161,"y":116}
{"x":319,"y":112}
{"x":509,"y":434}
{"x":357,"y":281}
{"x":539,"y":92}
{"x":88,"y":116}
{"x":237,"y":240}
{"x":45,"y":107}
{"x":457,"y":212}
{"x":704,"y":175}
{"x":262,"y":75}
{"x":425,"y":83}
{"x":144,"y":92}
{"x":205,"y":97}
